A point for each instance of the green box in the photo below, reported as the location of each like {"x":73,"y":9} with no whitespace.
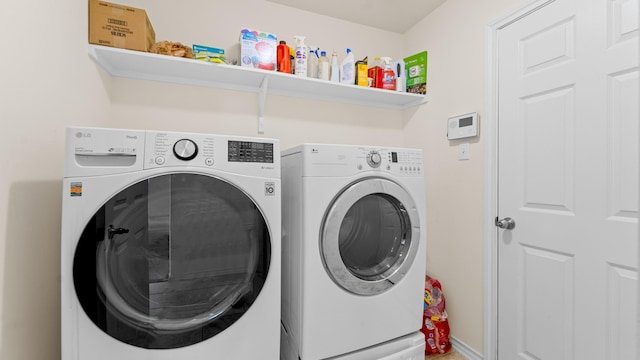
{"x":416,"y":69}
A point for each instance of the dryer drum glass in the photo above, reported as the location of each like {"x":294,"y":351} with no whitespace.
{"x":374,"y":237}
{"x":194,"y":259}
{"x":369,"y":236}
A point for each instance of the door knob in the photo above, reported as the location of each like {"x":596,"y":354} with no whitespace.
{"x":506,"y":223}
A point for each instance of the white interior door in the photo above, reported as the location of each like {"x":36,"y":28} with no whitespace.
{"x":568,"y":176}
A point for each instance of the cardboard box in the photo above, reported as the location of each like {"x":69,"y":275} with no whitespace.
{"x":119,"y":26}
{"x":258,"y":49}
{"x":416,"y":69}
{"x":375,"y":77}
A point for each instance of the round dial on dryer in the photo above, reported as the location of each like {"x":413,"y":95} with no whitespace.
{"x":185,"y":149}
{"x":374,"y":159}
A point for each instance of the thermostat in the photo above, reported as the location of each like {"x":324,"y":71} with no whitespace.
{"x":462,"y":126}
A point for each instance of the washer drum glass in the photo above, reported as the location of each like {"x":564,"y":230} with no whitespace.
{"x":172,"y":260}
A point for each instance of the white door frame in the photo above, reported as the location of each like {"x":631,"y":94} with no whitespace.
{"x":490,"y":130}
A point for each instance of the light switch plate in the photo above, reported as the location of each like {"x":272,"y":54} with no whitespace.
{"x":463,"y":151}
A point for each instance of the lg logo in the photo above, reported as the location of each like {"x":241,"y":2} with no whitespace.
{"x":81,"y":135}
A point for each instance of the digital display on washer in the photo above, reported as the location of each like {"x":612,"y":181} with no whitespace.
{"x":394,"y":157}
{"x":248,"y":151}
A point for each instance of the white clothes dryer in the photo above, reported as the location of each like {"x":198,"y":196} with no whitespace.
{"x":354,"y":249}
{"x":170,"y":246}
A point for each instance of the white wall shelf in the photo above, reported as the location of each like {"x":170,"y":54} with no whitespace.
{"x":147,"y":66}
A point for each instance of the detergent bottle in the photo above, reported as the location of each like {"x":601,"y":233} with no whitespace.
{"x":284,"y":63}
{"x":347,"y":69}
{"x":388,"y":74}
{"x":324,"y":68}
{"x":312,"y":63}
{"x":302,"y":53}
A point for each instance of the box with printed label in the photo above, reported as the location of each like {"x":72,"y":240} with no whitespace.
{"x":416,"y":71}
{"x":210,"y":54}
{"x":258,"y":49}
{"x":119,"y":26}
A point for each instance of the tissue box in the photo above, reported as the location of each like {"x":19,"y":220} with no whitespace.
{"x":416,"y":69}
{"x":258,"y":49}
{"x":119,"y":26}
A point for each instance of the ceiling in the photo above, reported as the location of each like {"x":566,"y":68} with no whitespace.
{"x":392,"y":15}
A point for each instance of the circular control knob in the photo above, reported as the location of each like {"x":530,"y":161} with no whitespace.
{"x":185,"y":149}
{"x":374,"y":159}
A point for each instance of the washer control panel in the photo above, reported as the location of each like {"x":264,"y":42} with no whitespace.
{"x":250,"y":151}
{"x":166,"y":149}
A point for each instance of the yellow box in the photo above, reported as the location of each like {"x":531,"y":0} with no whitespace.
{"x":362,"y":73}
{"x":119,"y":26}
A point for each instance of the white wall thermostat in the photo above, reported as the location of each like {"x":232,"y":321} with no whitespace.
{"x":463,"y":126}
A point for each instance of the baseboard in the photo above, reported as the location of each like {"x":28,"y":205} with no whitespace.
{"x":464,"y":349}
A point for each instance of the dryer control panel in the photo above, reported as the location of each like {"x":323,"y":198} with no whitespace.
{"x":394,"y":160}
{"x":346,"y":160}
{"x":406,"y":162}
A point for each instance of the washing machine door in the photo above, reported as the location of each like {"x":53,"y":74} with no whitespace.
{"x":172,"y":260}
{"x":370,"y":236}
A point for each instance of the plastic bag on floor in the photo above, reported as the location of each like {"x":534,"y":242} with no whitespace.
{"x":435,"y":322}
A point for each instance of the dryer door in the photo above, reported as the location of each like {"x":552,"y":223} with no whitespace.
{"x":172,"y":260}
{"x":370,"y":236}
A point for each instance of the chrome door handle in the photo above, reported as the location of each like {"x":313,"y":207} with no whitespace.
{"x":506,"y":223}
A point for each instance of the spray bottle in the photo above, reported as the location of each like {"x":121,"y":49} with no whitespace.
{"x":302,"y":52}
{"x":388,"y":74}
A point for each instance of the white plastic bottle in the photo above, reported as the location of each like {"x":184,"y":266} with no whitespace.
{"x":302,"y":54}
{"x":348,"y":69}
{"x":324,"y":68}
{"x":312,"y":63}
{"x":335,"y":68}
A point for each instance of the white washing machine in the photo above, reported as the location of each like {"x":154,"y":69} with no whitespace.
{"x":170,"y":246}
{"x":354,"y":248}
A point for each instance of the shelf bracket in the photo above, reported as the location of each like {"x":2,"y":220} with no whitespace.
{"x":262,"y":99}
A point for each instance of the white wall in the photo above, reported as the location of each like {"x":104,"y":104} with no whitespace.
{"x":454,"y":35}
{"x":48,"y":82}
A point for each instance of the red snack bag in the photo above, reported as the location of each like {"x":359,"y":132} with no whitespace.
{"x":435,"y":322}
